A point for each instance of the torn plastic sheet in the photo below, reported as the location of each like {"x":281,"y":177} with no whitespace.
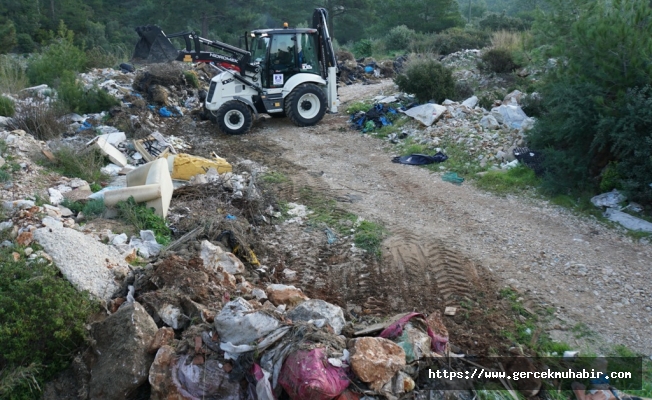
{"x":234,"y":350}
{"x":395,"y":330}
{"x":420,"y":159}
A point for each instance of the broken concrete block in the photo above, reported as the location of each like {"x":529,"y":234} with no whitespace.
{"x":316,"y":309}
{"x":375,"y":360}
{"x":285,"y":294}
{"x":122,"y":361}
{"x":238,"y":324}
{"x":215,"y":258}
{"x":97,"y":268}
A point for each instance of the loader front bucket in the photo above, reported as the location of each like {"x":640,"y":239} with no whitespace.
{"x":154,"y":46}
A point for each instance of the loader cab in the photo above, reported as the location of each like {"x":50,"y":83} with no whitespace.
{"x":283,"y":53}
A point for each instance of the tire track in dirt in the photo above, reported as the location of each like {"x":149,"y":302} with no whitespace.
{"x":429,"y":267}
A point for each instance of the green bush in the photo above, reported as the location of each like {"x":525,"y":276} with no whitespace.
{"x":399,"y":38}
{"x":498,"y":61}
{"x":12,"y":74}
{"x":82,"y":165}
{"x":611,"y":179}
{"x":77,"y":99}
{"x":462,"y":91}
{"x":59,"y":58}
{"x":532,"y":105}
{"x":43,"y":323}
{"x":486,"y":99}
{"x":41,"y":120}
{"x":598,"y":101}
{"x":499,"y":22}
{"x":191,"y":78}
{"x":7,"y":108}
{"x":26,"y":44}
{"x":94,"y":208}
{"x":428,"y":80}
{"x":363,"y":48}
{"x":456,"y":39}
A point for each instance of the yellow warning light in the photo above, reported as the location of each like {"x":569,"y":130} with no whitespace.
{"x":285,"y":25}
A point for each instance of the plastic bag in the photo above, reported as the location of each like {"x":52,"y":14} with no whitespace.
{"x":395,"y":330}
{"x":420,"y":159}
{"x":306,"y":374}
{"x":452,"y":177}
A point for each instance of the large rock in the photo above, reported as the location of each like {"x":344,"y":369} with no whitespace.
{"x":319,"y":309}
{"x":215,"y":258}
{"x":375,"y":360}
{"x":285,"y":294}
{"x":489,"y":122}
{"x":85,"y":262}
{"x":237,"y":323}
{"x":512,"y":115}
{"x":121,"y":349}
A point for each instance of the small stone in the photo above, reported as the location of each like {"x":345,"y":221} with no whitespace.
{"x":24,"y":239}
{"x":28,"y":251}
{"x":285,"y":294}
{"x":163,"y":337}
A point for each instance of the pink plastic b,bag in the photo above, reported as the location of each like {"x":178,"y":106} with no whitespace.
{"x":307,"y":374}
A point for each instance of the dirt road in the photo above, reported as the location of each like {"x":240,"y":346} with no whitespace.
{"x":448,"y":243}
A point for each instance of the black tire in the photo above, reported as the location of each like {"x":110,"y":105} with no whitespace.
{"x":234,"y":117}
{"x":306,"y":105}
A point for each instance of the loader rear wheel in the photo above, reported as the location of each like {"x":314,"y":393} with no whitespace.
{"x":306,"y":105}
{"x":234,"y":117}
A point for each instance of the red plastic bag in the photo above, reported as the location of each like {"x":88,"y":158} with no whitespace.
{"x":308,"y":375}
{"x":438,"y":343}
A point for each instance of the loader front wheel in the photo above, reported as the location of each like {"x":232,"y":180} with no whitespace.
{"x":306,"y":105}
{"x":234,"y":117}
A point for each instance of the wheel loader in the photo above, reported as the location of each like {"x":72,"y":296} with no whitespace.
{"x":287,"y":72}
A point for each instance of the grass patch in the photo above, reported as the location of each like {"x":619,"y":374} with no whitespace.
{"x":83,"y":165}
{"x":580,"y":205}
{"x":358,"y":106}
{"x":515,"y":180}
{"x":526,"y":327}
{"x":7,"y":107}
{"x":143,"y":218}
{"x":369,"y":236}
{"x":43,"y":323}
{"x":274,"y":177}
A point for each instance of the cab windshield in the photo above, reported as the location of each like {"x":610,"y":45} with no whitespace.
{"x":259,"y":45}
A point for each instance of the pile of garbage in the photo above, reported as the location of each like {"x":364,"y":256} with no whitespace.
{"x":367,"y":69}
{"x":493,"y":137}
